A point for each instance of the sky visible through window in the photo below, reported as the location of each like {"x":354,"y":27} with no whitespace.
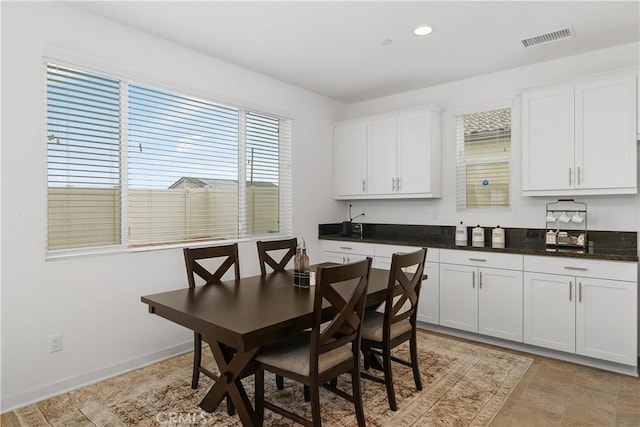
{"x":170,"y":135}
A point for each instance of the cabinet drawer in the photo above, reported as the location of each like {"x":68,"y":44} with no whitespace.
{"x":348,"y":247}
{"x":481,"y":259}
{"x":614,"y":270}
{"x":388,"y":250}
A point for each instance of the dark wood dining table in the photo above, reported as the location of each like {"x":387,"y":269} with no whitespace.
{"x":237,"y":317}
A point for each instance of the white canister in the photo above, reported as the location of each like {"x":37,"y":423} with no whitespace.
{"x":477,"y":237}
{"x":497,"y":238}
{"x":461,"y":235}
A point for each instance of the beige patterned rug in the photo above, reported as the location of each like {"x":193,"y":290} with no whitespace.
{"x":463,"y":385}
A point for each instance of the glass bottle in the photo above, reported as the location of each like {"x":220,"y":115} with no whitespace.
{"x":297,"y":261}
{"x":301,"y":266}
{"x":304,"y":267}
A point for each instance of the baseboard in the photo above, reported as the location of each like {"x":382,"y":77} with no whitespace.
{"x":567,"y":357}
{"x":36,"y":394}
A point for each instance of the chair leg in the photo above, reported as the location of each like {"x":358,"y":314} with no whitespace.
{"x":414,"y":361}
{"x":307,"y":393}
{"x":197,"y":357}
{"x":388,"y":378}
{"x":231,"y":409}
{"x":259,"y":396}
{"x":357,"y":396}
{"x":279,"y":382}
{"x":334,"y":382}
{"x":315,"y":405}
{"x":366,"y":358}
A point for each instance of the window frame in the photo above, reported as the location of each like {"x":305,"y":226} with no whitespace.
{"x":52,"y":55}
{"x":455,"y":114}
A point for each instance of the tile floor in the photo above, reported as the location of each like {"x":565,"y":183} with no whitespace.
{"x":554,"y":392}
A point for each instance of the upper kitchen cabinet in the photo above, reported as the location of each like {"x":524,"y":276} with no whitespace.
{"x":395,"y":155}
{"x":350,"y":161}
{"x":580,"y":139}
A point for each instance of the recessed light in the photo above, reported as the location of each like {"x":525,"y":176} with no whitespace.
{"x":423,"y":30}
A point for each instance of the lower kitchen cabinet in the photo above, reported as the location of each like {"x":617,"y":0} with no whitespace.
{"x":549,"y":311}
{"x":478,"y":299}
{"x":589,"y":316}
{"x":605,"y":319}
{"x":346,"y":252}
{"x":500,"y":303}
{"x":429,"y":305}
{"x":458,"y":297}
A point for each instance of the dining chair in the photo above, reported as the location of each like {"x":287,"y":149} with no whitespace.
{"x":382,"y":332}
{"x":265,"y":249}
{"x":316,"y":357}
{"x":264,"y":256}
{"x":194,"y":259}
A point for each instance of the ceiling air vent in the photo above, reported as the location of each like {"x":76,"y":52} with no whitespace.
{"x":566,"y":33}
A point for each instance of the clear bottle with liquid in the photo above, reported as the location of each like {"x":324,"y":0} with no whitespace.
{"x":301,"y":267}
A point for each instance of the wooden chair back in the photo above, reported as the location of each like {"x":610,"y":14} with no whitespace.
{"x":403,"y":292}
{"x":345,"y":288}
{"x":194,"y":268}
{"x":266,"y":259}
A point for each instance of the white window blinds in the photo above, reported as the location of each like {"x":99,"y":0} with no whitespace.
{"x":483,"y":149}
{"x":83,"y":155}
{"x":183,"y":169}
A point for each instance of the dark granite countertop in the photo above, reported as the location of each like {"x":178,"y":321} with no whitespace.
{"x":605,"y":245}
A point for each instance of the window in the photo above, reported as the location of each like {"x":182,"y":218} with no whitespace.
{"x":483,"y":150}
{"x":132,"y":165}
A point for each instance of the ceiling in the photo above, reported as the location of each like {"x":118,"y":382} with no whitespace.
{"x":336,"y":48}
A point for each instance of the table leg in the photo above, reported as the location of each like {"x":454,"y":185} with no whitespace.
{"x":231,"y":366}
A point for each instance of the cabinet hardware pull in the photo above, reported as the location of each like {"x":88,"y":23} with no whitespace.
{"x":398,"y":183}
{"x":569,"y":176}
{"x":363,"y":185}
{"x":344,"y":260}
{"x":480,"y":280}
{"x":393,"y":184}
{"x":576,"y":268}
{"x":473,"y":282}
{"x":570,"y":286}
{"x":478,"y":259}
{"x":578,"y":175}
{"x":579,"y":291}
{"x":346,"y":247}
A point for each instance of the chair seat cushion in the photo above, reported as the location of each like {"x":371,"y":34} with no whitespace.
{"x":373,"y":324}
{"x":293,"y":355}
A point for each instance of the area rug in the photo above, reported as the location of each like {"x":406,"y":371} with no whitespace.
{"x":463,"y":385}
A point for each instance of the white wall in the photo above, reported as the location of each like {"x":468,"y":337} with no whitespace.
{"x":95,"y":301}
{"x":605,"y":212}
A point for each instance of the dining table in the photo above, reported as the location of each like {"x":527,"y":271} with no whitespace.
{"x":238,"y":317}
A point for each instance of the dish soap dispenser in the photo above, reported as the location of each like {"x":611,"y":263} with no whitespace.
{"x":477,"y":237}
{"x":461,"y":235}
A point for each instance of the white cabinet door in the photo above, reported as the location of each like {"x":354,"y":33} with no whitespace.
{"x":350,"y":159}
{"x":606,"y":320}
{"x":548,"y":139}
{"x":500,"y":303}
{"x":382,"y":155}
{"x":414,"y":153}
{"x":458,"y":297}
{"x":605,"y":134}
{"x":336,"y":257}
{"x":549,"y":311}
{"x":428,"y":307}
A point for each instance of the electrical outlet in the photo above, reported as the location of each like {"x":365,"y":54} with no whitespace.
{"x":55,"y":343}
